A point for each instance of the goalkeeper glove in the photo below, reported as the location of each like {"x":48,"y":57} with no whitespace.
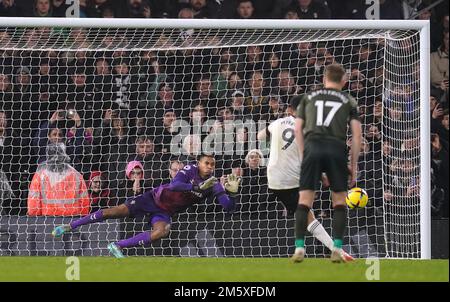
{"x":205,"y":185}
{"x":232,"y":184}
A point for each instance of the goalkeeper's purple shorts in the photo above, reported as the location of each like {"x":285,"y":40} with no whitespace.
{"x":144,"y":205}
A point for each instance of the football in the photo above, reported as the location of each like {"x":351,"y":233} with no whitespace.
{"x":356,"y":198}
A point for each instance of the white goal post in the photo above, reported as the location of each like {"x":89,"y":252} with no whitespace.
{"x":407,"y":237}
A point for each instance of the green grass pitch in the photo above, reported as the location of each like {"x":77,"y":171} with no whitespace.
{"x":217,"y":269}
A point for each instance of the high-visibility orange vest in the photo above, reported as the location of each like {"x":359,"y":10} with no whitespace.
{"x":58,"y":194}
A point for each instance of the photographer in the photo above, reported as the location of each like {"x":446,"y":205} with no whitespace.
{"x":64,"y":126}
{"x":439,"y":66}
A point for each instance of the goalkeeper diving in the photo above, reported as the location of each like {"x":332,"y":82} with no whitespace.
{"x":193,"y":184}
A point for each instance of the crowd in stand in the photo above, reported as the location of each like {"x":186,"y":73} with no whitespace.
{"x":106,"y":118}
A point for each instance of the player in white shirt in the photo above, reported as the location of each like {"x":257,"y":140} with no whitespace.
{"x":283,"y":170}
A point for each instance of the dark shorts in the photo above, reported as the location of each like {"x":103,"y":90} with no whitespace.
{"x":324,"y":155}
{"x":289,"y":198}
{"x":144,"y":205}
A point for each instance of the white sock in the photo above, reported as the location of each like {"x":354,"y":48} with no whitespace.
{"x":299,"y":249}
{"x":317,"y":230}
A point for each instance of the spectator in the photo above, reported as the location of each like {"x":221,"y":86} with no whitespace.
{"x":356,"y":9}
{"x":203,"y":95}
{"x":391,"y":10}
{"x":378,"y":112}
{"x":139,"y":126}
{"x":190,"y":149}
{"x":165,"y":100}
{"x":82,"y":94}
{"x":22,"y":82}
{"x":111,"y":141}
{"x":59,"y":8}
{"x":150,"y":161}
{"x":197,"y":116}
{"x":234,"y":83}
{"x":387,"y":155}
{"x":440,"y":169}
{"x":5,"y":55}
{"x":438,"y":29}
{"x":395,"y":116}
{"x":357,"y":86}
{"x":245,"y":9}
{"x":311,"y":73}
{"x":228,"y":56}
{"x":273,"y":66}
{"x":291,"y":14}
{"x":134,"y":9}
{"x":164,"y":133}
{"x":42,"y":8}
{"x":135,"y":174}
{"x":224,"y":131}
{"x":99,"y":192}
{"x":6,"y":195}
{"x":187,"y":13}
{"x":143,"y":66}
{"x":428,"y":14}
{"x":220,"y":80}
{"x":57,"y":189}
{"x":274,"y":110}
{"x":174,"y":167}
{"x":6,"y":95}
{"x":439,"y":66}
{"x":437,"y":112}
{"x":254,"y":60}
{"x":108,"y":12}
{"x":9,"y":8}
{"x":102,"y":82}
{"x":443,"y":131}
{"x":410,"y":143}
{"x":254,"y":192}
{"x":364,"y":61}
{"x":46,"y":79}
{"x":296,"y":56}
{"x":270,"y":8}
{"x":125,"y":87}
{"x":51,"y":132}
{"x":373,"y":136}
{"x":287,"y":87}
{"x":311,"y":9}
{"x":23,"y":97}
{"x":225,"y":115}
{"x":95,"y":8}
{"x":238,"y":108}
{"x":203,"y":9}
{"x":364,"y":161}
{"x":13,"y":167}
{"x":65,"y":126}
{"x":257,"y":101}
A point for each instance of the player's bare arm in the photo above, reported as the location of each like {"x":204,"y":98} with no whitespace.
{"x":355,"y":126}
{"x":299,"y":136}
{"x":262,"y":134}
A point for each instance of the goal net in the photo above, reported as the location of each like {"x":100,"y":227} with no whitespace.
{"x":152,"y":96}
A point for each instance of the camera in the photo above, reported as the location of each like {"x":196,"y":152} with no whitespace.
{"x":68,"y":115}
{"x":66,"y":119}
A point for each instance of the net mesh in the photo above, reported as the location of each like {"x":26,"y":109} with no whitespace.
{"x":160,"y":96}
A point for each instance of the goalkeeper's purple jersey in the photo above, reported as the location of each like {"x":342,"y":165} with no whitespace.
{"x":178,"y":195}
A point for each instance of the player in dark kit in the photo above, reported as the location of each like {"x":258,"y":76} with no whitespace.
{"x":193,"y":184}
{"x":321,"y":132}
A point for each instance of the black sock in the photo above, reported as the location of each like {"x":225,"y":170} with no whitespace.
{"x":301,"y":220}
{"x":339,"y":224}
